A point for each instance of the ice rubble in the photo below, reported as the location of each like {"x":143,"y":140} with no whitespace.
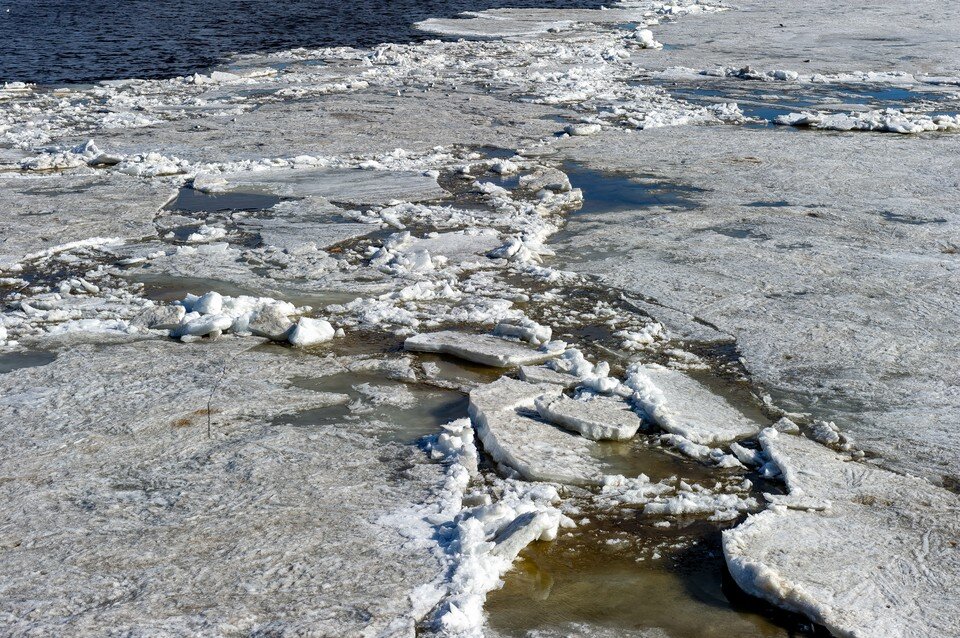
{"x":595,"y":417}
{"x":858,"y":549}
{"x":485,"y":349}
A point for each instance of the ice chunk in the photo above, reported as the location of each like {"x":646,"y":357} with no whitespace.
{"x":485,"y":349}
{"x":681,"y":405}
{"x":597,"y":418}
{"x":504,"y":416}
{"x":160,"y":317}
{"x":271,"y":322}
{"x":197,"y":325}
{"x":209,"y":304}
{"x":342,"y":185}
{"x":870,"y":564}
{"x":309,"y":331}
{"x":582,"y":128}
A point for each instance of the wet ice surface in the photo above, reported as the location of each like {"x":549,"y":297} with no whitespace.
{"x":227,"y":276}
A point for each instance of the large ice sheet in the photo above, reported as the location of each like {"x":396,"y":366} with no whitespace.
{"x":860,"y":550}
{"x":505,"y":419}
{"x":840,"y":297}
{"x":129,"y":518}
{"x":43,"y":212}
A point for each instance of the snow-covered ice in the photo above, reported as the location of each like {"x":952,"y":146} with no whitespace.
{"x":858,"y":549}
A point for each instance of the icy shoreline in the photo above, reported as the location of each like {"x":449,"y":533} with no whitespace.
{"x":352,"y":212}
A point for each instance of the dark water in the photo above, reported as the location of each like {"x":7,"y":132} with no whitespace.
{"x":63,"y":41}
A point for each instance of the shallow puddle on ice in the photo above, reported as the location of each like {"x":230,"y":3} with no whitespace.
{"x":193,"y":201}
{"x":10,"y":361}
{"x":399,"y":411}
{"x":607,"y":192}
{"x":608,"y":575}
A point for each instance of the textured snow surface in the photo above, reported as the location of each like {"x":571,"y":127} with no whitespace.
{"x":485,"y":349}
{"x":859,"y":549}
{"x":512,"y":433}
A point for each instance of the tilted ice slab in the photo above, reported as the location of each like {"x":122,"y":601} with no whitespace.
{"x":598,"y":418}
{"x":488,"y":25}
{"x":543,"y":374}
{"x":681,"y":405}
{"x":503,"y":414}
{"x":879,"y":558}
{"x":484,"y":349}
{"x":355,"y":186}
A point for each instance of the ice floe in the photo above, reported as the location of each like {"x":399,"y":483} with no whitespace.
{"x":485,"y":349}
{"x":504,"y":414}
{"x":860,"y":550}
{"x":596,"y":417}
{"x":683,"y":406}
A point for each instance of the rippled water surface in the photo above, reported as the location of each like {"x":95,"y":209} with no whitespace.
{"x":54,"y":41}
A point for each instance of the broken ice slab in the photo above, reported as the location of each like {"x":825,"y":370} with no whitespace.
{"x":486,"y":349}
{"x":598,"y":418}
{"x":354,"y":186}
{"x":681,"y":405}
{"x":869,"y":563}
{"x":504,"y":416}
{"x":543,"y":374}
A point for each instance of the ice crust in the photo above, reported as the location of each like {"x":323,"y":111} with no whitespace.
{"x":867,"y":562}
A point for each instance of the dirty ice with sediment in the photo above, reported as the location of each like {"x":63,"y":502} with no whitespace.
{"x":633,"y":321}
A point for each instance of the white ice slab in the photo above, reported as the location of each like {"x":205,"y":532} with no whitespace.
{"x":880,"y":560}
{"x":599,"y":418}
{"x":484,"y":349}
{"x":342,"y":185}
{"x":504,"y":416}
{"x":682,"y":405}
